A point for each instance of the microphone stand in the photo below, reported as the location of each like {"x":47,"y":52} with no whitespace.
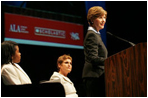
{"x":121,"y":38}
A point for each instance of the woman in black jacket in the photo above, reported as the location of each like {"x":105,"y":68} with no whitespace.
{"x":95,"y":53}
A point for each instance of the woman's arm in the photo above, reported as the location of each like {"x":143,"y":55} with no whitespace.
{"x":10,"y":76}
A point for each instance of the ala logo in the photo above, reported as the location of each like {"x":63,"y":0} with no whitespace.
{"x":18,"y":28}
{"x":75,"y":36}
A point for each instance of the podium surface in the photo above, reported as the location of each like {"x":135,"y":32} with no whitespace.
{"x":126,"y":72}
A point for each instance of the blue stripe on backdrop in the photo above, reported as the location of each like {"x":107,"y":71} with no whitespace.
{"x":89,"y":4}
{"x":41,"y":43}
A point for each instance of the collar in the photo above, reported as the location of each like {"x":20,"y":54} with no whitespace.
{"x":91,"y":28}
{"x":64,"y":77}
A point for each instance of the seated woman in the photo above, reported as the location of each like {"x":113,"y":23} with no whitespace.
{"x":64,"y":65}
{"x":12,"y":73}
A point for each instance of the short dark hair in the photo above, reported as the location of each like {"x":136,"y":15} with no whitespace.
{"x":7,"y":51}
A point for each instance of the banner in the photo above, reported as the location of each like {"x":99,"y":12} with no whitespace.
{"x":45,"y":32}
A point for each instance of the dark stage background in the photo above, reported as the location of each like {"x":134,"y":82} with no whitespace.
{"x":126,"y":19}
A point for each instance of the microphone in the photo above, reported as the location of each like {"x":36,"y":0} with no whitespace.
{"x":121,"y":38}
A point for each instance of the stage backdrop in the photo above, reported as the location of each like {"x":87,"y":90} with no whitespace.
{"x":44,"y":32}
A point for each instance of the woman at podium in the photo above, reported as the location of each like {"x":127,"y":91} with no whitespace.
{"x":95,"y":53}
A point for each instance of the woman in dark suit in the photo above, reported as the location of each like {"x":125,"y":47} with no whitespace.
{"x":95,"y":53}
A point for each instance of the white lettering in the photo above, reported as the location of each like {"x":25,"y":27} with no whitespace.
{"x":50,"y":32}
{"x":18,"y":28}
{"x":75,"y":36}
{"x":12,"y":28}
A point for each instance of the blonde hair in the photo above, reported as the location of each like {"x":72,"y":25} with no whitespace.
{"x":95,"y":12}
{"x":62,"y":58}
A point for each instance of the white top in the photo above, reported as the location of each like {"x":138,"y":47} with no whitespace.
{"x":14,"y":75}
{"x":66,"y":82}
{"x":91,"y":28}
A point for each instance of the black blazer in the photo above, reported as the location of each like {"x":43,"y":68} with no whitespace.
{"x":95,"y":54}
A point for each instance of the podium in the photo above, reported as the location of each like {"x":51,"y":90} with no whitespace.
{"x":126,"y":72}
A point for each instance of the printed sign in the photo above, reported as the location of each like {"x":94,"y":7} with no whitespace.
{"x":39,"y":31}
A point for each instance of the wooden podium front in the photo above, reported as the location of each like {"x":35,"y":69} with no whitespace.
{"x":126,"y":72}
